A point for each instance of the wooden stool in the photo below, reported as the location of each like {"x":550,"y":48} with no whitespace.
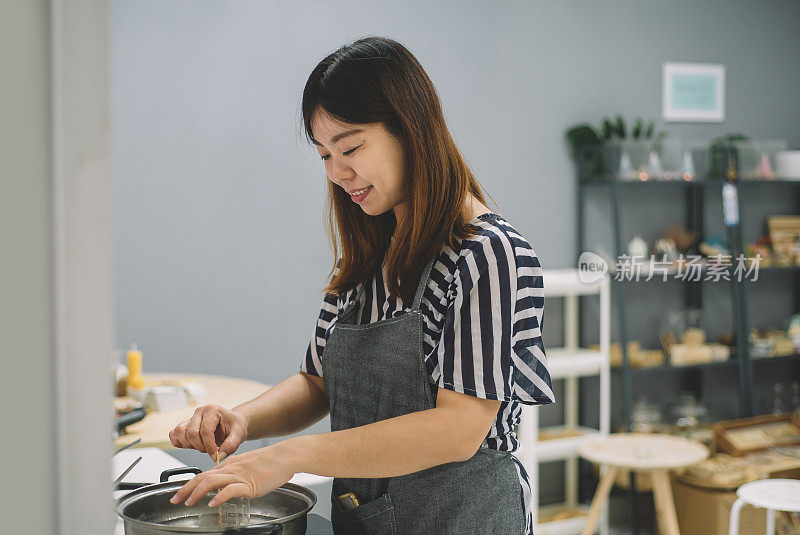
{"x":640,"y":452}
{"x":770,"y":494}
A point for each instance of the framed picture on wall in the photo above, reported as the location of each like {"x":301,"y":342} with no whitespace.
{"x":693,"y":92}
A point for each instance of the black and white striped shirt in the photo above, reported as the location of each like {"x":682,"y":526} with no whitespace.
{"x":483,"y":309}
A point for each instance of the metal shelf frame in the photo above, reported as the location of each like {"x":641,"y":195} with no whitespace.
{"x":695,"y":192}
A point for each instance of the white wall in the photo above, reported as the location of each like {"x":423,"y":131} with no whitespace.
{"x":84,"y":285}
{"x":26,"y":274}
{"x":56,"y":306}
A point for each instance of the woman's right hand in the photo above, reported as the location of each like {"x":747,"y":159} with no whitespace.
{"x":211,"y":427}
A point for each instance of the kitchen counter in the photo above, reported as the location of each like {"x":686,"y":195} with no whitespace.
{"x":318,"y":526}
{"x":155,"y":427}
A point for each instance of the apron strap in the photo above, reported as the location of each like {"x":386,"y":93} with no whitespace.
{"x":360,"y":291}
{"x":423,"y":283}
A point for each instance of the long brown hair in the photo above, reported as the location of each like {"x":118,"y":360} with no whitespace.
{"x":377,"y":80}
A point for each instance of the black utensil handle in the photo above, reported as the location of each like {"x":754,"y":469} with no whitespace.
{"x":128,"y":445}
{"x":127,"y":419}
{"x":166,"y":474}
{"x":124,"y":485}
{"x":256,"y":529}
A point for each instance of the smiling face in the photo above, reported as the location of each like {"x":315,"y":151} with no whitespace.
{"x":365,"y":160}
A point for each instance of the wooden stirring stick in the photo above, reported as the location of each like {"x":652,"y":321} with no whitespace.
{"x":220,"y":505}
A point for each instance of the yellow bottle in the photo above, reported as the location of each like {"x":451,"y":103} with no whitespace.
{"x":135,"y":379}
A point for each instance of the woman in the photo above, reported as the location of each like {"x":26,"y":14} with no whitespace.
{"x":429,"y":336}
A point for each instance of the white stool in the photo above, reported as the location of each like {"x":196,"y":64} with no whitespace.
{"x":770,"y":494}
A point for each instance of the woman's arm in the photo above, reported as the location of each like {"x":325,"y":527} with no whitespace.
{"x":453,"y":431}
{"x":288,"y":407}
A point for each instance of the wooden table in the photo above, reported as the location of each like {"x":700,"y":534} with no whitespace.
{"x":641,"y":452}
{"x":155,"y":427}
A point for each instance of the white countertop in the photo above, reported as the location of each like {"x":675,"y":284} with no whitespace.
{"x":154,"y":461}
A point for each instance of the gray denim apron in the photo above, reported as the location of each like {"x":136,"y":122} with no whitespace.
{"x":377,"y":371}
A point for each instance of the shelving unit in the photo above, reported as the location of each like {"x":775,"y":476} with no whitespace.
{"x":695,"y":193}
{"x":568,"y":363}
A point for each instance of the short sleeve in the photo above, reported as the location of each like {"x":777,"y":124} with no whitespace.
{"x":491,"y":345}
{"x":532,"y":383}
{"x":312,"y":363}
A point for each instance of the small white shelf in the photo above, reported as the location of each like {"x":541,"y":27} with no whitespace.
{"x":573,"y":524}
{"x":564,"y":282}
{"x":566,"y":445}
{"x":571,"y":362}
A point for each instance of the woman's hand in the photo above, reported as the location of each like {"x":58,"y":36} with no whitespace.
{"x":211,"y":427}
{"x":247,"y":475}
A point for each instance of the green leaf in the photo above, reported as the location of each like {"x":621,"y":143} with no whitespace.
{"x":620,"y":127}
{"x":606,"y":130}
{"x":650,"y":129}
{"x":637,"y":129}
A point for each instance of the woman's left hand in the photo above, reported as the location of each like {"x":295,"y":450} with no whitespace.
{"x":246,"y":475}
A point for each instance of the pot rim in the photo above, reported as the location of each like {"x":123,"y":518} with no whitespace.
{"x":136,"y":494}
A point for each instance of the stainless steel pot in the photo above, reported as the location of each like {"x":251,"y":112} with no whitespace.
{"x":148,"y":511}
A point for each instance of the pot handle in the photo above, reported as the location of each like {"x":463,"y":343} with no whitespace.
{"x":256,"y":529}
{"x":166,"y":474}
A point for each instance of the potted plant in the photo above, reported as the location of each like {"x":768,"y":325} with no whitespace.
{"x":598,"y":154}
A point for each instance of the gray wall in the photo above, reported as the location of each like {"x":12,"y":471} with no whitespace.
{"x":221,"y":252}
